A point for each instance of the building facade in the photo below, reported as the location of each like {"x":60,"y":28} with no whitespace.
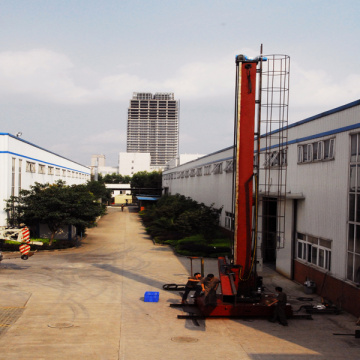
{"x":23,"y":163}
{"x":321,"y":240}
{"x":98,"y":166}
{"x":131,"y":163}
{"x":153,"y":127}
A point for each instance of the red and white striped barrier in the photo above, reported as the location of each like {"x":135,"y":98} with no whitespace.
{"x":24,"y":249}
{"x":25,"y":235}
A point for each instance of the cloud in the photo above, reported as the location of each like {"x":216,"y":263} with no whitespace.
{"x":50,"y":76}
{"x":203,"y":79}
{"x":109,"y":136}
{"x":317,"y":88}
{"x":39,"y":73}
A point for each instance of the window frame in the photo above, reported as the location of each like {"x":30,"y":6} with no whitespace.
{"x":308,"y":249}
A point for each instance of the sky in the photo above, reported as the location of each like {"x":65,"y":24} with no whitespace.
{"x":68,"y":68}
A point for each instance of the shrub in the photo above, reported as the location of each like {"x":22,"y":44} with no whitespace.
{"x":176,"y":216}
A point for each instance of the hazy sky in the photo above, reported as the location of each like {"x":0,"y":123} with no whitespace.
{"x":68,"y":68}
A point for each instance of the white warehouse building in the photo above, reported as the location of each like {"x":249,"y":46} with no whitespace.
{"x":322,"y":222}
{"x":23,"y":163}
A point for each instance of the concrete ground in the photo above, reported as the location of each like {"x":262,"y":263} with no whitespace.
{"x":88,"y":303}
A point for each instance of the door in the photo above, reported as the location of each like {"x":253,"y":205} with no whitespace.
{"x":269,"y":230}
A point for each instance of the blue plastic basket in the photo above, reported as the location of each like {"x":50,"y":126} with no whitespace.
{"x":151,"y":296}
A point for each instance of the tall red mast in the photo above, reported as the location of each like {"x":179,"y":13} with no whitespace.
{"x":244,"y":148}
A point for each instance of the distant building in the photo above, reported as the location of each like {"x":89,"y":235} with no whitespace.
{"x":131,"y":163}
{"x":120,"y":193}
{"x":97,"y":160}
{"x":23,"y":163}
{"x":98,"y":166}
{"x":153,"y":127}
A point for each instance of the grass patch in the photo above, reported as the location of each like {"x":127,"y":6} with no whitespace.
{"x":9,"y":245}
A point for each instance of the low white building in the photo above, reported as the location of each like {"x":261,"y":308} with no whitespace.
{"x":23,"y":163}
{"x":120,"y":193}
{"x":321,"y":239}
{"x":131,"y":163}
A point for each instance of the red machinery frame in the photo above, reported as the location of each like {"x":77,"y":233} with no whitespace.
{"x":241,"y":287}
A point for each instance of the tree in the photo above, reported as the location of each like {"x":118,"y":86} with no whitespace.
{"x":181,"y":216}
{"x":99,"y":190}
{"x":116,"y":179}
{"x":147,"y":180}
{"x":55,"y":205}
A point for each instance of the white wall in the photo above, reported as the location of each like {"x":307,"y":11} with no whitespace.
{"x":320,"y":187}
{"x":131,"y":163}
{"x":43,"y":160}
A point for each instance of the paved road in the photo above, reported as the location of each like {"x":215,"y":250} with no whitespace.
{"x":87,"y":303}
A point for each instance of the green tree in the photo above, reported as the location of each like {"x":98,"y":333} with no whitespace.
{"x":55,"y":205}
{"x":116,"y":179}
{"x":147,"y":180}
{"x":178,"y":216}
{"x":99,"y":190}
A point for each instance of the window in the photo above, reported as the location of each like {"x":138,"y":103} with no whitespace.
{"x":276,"y":158}
{"x":300,"y":154}
{"x":317,"y":151}
{"x":50,"y":170}
{"x":57,"y":171}
{"x":353,"y":236}
{"x":229,"y":220}
{"x":20,"y":172}
{"x":308,"y":153}
{"x":229,"y":166}
{"x":199,"y":171}
{"x":13,"y":176}
{"x":329,"y":149}
{"x":41,"y":169}
{"x":314,"y":250}
{"x":217,"y":169}
{"x":207,"y":169}
{"x":30,"y":167}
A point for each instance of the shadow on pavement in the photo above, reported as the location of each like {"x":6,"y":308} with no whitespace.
{"x":130,"y":275}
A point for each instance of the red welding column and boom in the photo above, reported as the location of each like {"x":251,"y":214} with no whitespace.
{"x":245,"y":107}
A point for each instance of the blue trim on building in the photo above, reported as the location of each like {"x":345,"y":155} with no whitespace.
{"x":305,"y":138}
{"x":43,"y":162}
{"x":48,"y":151}
{"x":318,"y":116}
{"x":315,"y":136}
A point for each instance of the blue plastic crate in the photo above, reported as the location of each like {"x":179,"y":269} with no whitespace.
{"x":151,"y":296}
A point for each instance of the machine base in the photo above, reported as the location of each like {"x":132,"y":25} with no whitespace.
{"x":261,"y":308}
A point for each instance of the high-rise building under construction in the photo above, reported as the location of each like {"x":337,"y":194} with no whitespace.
{"x":153,"y":126}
